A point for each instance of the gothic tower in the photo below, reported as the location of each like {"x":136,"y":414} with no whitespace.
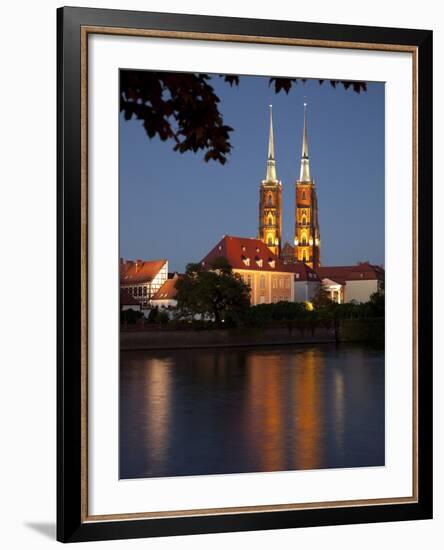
{"x":307,"y":238}
{"x":270,"y":201}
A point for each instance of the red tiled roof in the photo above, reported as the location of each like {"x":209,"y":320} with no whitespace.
{"x":341,"y":274}
{"x":126,"y":299}
{"x":167,"y":291}
{"x":138,"y":271}
{"x":252,"y":254}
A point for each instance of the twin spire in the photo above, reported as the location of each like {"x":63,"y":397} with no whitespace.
{"x":271,"y":162}
{"x":305,"y":163}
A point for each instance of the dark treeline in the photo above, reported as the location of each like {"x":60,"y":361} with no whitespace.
{"x":292,"y":315}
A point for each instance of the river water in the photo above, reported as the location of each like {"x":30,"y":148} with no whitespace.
{"x":260,"y":409}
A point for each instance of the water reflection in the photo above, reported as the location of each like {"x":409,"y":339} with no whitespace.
{"x":308,"y":412}
{"x":248,"y":410}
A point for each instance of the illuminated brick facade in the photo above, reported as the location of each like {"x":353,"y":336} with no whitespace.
{"x":270,"y":202}
{"x":307,"y":239}
{"x":270,"y":219}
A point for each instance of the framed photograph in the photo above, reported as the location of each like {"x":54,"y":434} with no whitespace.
{"x":244,"y":274}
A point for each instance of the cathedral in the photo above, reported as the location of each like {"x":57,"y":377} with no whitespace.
{"x":274,"y":271}
{"x":307,"y":242}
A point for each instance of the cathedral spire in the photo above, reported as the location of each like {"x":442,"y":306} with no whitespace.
{"x":307,"y":237}
{"x":305,"y":163}
{"x":271,"y":163}
{"x":270,"y":201}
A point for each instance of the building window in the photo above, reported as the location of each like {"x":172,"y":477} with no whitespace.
{"x":249,"y":281}
{"x":304,"y":240}
{"x":270,"y":241}
{"x":144,"y":290}
{"x":274,"y":282}
{"x":270,"y":221}
{"x":304,"y":221}
{"x":297,"y":275}
{"x":270,"y":200}
{"x":303,"y":195}
{"x":262,"y":282}
{"x":287,"y":282}
{"x":281,"y":282}
{"x":262,"y":299}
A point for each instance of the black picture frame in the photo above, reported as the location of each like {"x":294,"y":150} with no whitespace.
{"x":71,"y":525}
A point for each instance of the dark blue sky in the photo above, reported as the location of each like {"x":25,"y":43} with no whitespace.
{"x":178,"y":206}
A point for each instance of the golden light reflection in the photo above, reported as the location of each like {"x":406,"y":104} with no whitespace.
{"x":308,"y":410}
{"x":266,"y":415}
{"x":157,"y":409}
{"x":339,"y":409}
{"x":286,"y":419}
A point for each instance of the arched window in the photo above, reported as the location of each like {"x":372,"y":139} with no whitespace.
{"x":270,"y":240}
{"x":304,"y":221}
{"x":270,"y":200}
{"x":270,"y":221}
{"x":304,"y":240}
{"x":303,"y":195}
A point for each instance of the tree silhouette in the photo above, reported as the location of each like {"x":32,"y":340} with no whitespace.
{"x":215,"y":292}
{"x":183,"y":107}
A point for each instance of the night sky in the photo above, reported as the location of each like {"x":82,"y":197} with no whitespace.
{"x":177,"y":206}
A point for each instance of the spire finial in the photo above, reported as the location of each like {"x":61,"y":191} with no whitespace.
{"x":271,"y":164}
{"x":305,"y":164}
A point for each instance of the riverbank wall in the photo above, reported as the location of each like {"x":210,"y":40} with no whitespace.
{"x":139,"y":340}
{"x":366,"y":330}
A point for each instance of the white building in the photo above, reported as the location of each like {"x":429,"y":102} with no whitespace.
{"x":165,"y":297}
{"x":142,"y":279}
{"x":354,"y":283}
{"x":306,"y":282}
